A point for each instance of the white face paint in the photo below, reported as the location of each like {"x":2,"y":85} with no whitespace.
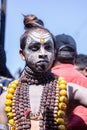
{"x":39,"y":51}
{"x":41,"y":38}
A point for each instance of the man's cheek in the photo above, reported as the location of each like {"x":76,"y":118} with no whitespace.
{"x":51,"y":57}
{"x":32,"y":59}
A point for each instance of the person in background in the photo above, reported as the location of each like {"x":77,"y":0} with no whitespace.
{"x":65,"y":60}
{"x":5,"y":75}
{"x":81,"y":64}
{"x":64,"y":66}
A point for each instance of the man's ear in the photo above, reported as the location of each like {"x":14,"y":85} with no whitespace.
{"x":85,"y":72}
{"x":86,"y":69}
{"x":22,"y":54}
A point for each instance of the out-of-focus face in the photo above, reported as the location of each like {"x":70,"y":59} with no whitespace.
{"x":82,"y":70}
{"x":39,"y":50}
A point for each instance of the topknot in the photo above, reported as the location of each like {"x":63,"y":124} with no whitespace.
{"x":32,"y":21}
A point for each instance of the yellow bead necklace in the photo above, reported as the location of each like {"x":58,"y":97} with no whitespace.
{"x":59,"y":112}
{"x":8,"y":102}
{"x":62,"y":105}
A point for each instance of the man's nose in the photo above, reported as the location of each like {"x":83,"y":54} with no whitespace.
{"x":42,"y":56}
{"x":42,"y":53}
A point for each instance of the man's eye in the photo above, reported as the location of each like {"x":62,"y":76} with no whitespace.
{"x":34,"y":48}
{"x":48,"y":48}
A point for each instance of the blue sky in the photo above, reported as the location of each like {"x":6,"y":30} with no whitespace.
{"x":59,"y":16}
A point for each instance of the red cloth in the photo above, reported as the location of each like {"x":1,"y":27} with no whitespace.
{"x":68,"y":71}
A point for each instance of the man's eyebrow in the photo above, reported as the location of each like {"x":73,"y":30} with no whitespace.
{"x":48,"y":42}
{"x":34,"y":42}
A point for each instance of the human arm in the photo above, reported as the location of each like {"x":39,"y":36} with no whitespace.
{"x":77,"y":93}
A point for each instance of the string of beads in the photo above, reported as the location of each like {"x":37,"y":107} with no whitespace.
{"x":52,"y":106}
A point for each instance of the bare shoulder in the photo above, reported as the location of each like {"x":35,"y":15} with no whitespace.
{"x":74,"y":87}
{"x":77,"y":93}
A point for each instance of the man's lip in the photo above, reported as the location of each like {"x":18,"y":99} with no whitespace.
{"x":42,"y":61}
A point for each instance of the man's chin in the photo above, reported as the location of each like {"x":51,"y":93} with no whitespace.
{"x":41,"y":68}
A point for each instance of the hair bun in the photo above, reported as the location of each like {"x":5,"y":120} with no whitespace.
{"x":32,"y":21}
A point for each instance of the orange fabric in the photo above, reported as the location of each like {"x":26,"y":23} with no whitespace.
{"x":70,"y":74}
{"x":79,"y":118}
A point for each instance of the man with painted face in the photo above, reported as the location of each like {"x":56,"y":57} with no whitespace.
{"x":38,"y":100}
{"x":38,"y":53}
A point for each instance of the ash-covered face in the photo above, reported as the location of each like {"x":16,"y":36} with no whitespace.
{"x":39,"y":51}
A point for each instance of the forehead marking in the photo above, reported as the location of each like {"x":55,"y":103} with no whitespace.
{"x":42,"y":38}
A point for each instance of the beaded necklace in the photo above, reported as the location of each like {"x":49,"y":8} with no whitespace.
{"x":51,"y":113}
